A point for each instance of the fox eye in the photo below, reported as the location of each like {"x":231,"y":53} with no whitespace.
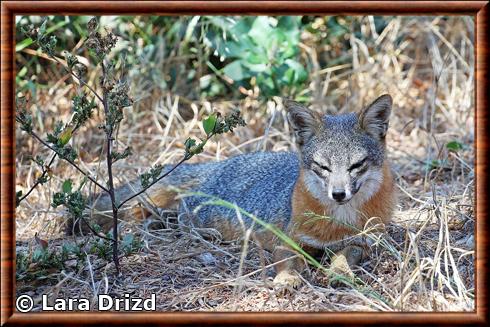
{"x":357,"y":164}
{"x":323,"y":167}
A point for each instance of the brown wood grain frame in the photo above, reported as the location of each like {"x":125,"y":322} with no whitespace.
{"x":478,"y":9}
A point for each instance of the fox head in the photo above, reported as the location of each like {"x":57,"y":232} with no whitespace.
{"x":342,"y":155}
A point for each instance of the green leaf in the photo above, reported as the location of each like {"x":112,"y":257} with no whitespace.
{"x":67,"y":186}
{"x":58,"y":199}
{"x":299,"y":74}
{"x":38,"y":254}
{"x":256,"y":68}
{"x":454,"y":146}
{"x":118,"y":156}
{"x":96,"y":228}
{"x":209,"y":123}
{"x":196,"y":149}
{"x":256,"y":58}
{"x":436,"y":164}
{"x":235,"y":71}
{"x":261,"y":31}
{"x":65,"y":136}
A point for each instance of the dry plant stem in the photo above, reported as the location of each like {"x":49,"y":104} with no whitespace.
{"x":45,"y":171}
{"x":95,"y":232}
{"x":154,"y":182}
{"x":52,"y":159}
{"x":109,"y":131}
{"x":186,"y":157}
{"x":79,"y":79}
{"x":86,"y":174}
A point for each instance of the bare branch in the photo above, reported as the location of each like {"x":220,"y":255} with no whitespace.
{"x":45,"y":171}
{"x":38,"y":181}
{"x":186,"y":157}
{"x":109,"y":139}
{"x":95,"y":232}
{"x":153,"y":183}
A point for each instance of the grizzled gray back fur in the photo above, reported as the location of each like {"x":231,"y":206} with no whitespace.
{"x":260,"y":183}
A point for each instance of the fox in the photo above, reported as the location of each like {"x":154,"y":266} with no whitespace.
{"x":340,"y":170}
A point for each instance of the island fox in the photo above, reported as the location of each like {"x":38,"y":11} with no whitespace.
{"x":340,"y":171}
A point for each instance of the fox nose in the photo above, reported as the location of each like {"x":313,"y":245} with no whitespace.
{"x":338,"y":195}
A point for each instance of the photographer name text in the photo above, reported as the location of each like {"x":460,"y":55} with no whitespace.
{"x":104,"y":303}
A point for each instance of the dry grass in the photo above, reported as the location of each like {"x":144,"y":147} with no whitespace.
{"x":430,"y":264}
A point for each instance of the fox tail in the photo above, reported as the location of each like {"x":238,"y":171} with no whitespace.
{"x":161,"y":195}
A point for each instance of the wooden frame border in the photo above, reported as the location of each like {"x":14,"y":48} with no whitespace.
{"x":479,"y":9}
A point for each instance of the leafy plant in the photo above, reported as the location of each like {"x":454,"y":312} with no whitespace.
{"x":44,"y":259}
{"x":261,"y":48}
{"x":454,"y":146}
{"x":111,"y":94}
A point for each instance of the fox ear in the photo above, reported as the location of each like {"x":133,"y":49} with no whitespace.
{"x":374,"y":119}
{"x":304,"y":121}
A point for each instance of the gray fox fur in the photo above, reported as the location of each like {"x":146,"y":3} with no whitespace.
{"x":340,"y":171}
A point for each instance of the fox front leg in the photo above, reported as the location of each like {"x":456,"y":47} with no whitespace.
{"x":288,"y":271}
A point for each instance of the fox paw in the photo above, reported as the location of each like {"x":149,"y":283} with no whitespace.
{"x":287,"y":280}
{"x":340,"y":266}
